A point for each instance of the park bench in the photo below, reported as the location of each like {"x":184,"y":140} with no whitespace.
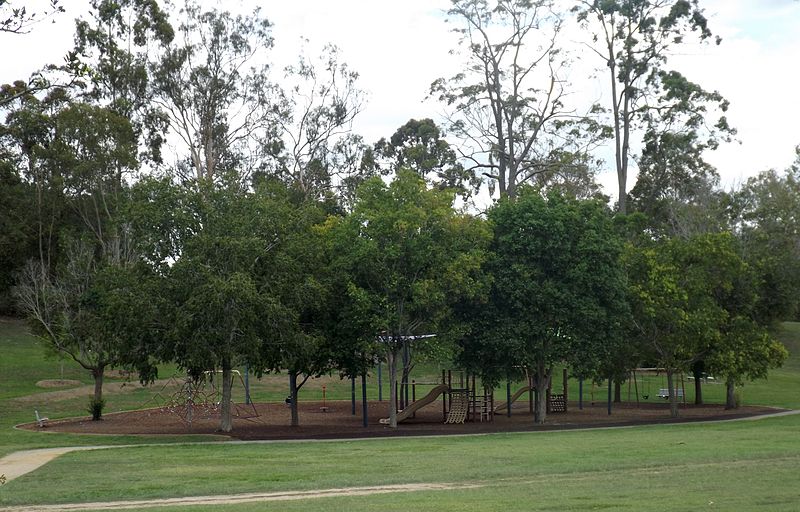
{"x":42,"y":422}
{"x":664,"y":393}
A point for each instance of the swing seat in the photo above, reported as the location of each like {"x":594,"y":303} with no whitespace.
{"x":664,"y":393}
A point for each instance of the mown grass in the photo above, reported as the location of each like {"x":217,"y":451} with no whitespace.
{"x":670,"y":488}
{"x":730,"y":466}
{"x":579,"y":458}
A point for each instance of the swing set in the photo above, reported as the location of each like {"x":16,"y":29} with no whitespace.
{"x":645,"y":376}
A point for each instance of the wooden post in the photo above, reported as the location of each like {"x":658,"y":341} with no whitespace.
{"x":609,"y":395}
{"x":566,"y":389}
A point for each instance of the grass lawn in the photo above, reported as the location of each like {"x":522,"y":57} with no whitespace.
{"x":748,"y":465}
{"x":741,"y":464}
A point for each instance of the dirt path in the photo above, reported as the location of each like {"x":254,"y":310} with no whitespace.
{"x":235,"y":499}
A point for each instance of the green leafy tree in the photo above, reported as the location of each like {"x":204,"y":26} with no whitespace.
{"x":408,"y":257}
{"x":765,"y":214}
{"x":96,"y":310}
{"x":17,"y":229}
{"x":676,"y":188}
{"x":305,"y":288}
{"x":557,"y":292}
{"x":27,"y":136}
{"x":747,"y":352}
{"x":113,"y":48}
{"x":223,"y":313}
{"x":681,"y":290}
{"x":80,"y":155}
{"x":419,"y":145}
{"x":633,"y":38}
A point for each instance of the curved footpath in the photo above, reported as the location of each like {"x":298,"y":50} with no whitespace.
{"x":20,"y":463}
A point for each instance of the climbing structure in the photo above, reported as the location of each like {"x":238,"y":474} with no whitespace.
{"x":199,"y":398}
{"x":459,"y":404}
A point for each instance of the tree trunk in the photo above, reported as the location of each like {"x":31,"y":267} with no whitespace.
{"x":673,"y":399}
{"x":392,"y":387}
{"x":697,"y":373}
{"x":225,"y":421}
{"x":97,"y":400}
{"x":617,"y":391}
{"x":730,"y":394}
{"x":541,"y":382}
{"x":293,"y":398}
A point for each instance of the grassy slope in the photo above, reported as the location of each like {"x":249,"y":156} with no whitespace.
{"x":748,"y":465}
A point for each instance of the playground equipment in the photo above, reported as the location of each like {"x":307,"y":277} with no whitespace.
{"x":459,"y":403}
{"x":419,"y":404}
{"x":324,"y":407}
{"x":642,"y":374}
{"x":503,"y":406}
{"x":462,"y":400}
{"x":198,"y":398}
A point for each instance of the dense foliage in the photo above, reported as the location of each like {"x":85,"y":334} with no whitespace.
{"x":268,"y":235}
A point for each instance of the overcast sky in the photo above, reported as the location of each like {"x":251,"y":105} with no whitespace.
{"x":400,"y":47}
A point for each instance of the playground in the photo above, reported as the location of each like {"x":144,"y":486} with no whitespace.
{"x":737,"y":465}
{"x":265,"y":421}
{"x":444,"y":402}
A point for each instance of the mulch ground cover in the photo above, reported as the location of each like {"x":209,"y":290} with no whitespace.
{"x":272,"y":420}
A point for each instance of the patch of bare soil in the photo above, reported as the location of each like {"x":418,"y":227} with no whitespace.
{"x":57,"y":383}
{"x":273,"y":420}
{"x":66,"y":394}
{"x":118,"y":374}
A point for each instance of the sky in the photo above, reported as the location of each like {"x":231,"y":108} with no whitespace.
{"x":399,"y":48}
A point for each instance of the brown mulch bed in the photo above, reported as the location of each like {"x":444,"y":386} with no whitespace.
{"x":338,"y":422}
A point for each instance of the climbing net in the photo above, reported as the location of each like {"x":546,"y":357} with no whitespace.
{"x":459,"y":403}
{"x":198,"y":398}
